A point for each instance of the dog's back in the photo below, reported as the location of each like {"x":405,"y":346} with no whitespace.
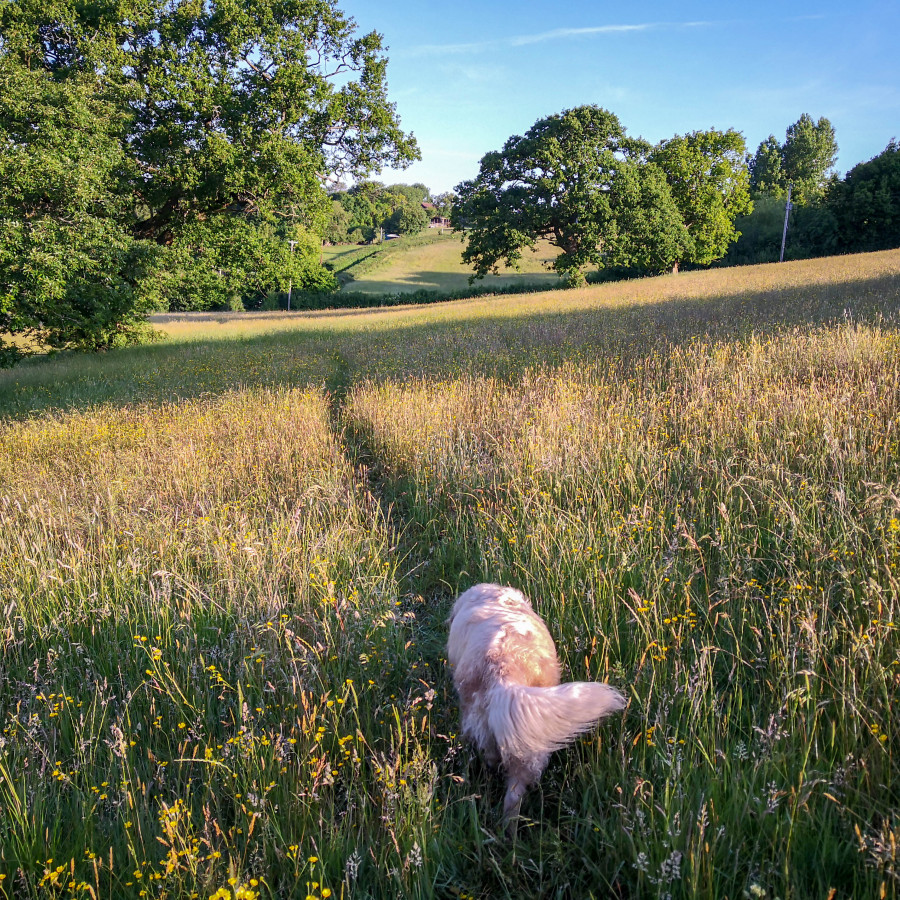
{"x":507,"y":675}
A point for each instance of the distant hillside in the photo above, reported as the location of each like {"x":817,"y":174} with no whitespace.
{"x":430,"y":261}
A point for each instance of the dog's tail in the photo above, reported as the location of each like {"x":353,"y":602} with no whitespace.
{"x":536,"y":720}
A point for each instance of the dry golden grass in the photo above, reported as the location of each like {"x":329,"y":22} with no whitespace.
{"x":175,"y":564}
{"x":717,"y":527}
{"x":840,"y":276}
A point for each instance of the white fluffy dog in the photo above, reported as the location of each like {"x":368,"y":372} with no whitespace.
{"x":511,"y":702}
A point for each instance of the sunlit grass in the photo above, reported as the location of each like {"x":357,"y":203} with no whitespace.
{"x":438,"y":266}
{"x":201,"y":627}
{"x":718,"y":530}
{"x":226,"y":561}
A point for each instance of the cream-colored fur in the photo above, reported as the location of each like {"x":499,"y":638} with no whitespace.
{"x":507,"y":675}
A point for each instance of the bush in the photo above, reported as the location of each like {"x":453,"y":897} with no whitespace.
{"x":408,"y":219}
{"x":813,"y":231}
{"x":760,"y":240}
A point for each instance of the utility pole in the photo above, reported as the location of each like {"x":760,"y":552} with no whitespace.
{"x":787,"y":212}
{"x":291,"y":279}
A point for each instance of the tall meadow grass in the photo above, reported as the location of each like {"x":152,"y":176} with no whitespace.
{"x":226,"y":562}
{"x":203,"y":654}
{"x":716,"y":530}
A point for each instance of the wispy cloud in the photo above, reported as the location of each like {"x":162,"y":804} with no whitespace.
{"x":555,"y":34}
{"x":559,"y":33}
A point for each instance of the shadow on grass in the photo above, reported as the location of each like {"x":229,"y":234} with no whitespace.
{"x":445,"y":281}
{"x":439,"y":341}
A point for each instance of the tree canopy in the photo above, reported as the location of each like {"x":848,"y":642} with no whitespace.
{"x":805,"y":160}
{"x":710,"y":185}
{"x":650,"y":234}
{"x":443,"y":204}
{"x":553,"y":182}
{"x":867,"y":203}
{"x":408,"y":218}
{"x":603,"y":198}
{"x":134,"y":127}
{"x":369,"y":206}
{"x":766,"y":173}
{"x":857,"y":213}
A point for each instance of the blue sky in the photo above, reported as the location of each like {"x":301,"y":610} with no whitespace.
{"x":465,"y":75}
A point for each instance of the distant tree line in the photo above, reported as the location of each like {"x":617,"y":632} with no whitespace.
{"x":369,"y":209}
{"x":604,"y":199}
{"x":856,"y":213}
{"x":170,"y":154}
{"x":621,"y":206}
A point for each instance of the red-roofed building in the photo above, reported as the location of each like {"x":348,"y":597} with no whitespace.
{"x":436,"y":221}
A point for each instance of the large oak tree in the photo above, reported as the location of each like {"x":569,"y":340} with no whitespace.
{"x":134,"y":131}
{"x":603,"y":198}
{"x":554,"y":182}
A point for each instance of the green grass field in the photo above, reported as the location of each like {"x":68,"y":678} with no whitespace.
{"x":433,"y":266}
{"x":226,"y":562}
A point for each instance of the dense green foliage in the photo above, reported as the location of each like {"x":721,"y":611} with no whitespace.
{"x":230,"y":262}
{"x":650,"y":235}
{"x":805,"y":161}
{"x":338,"y":226}
{"x":813,"y":231}
{"x":408,"y":218}
{"x":68,"y":262}
{"x":767,"y":177}
{"x":603,"y":198}
{"x":709,"y":181}
{"x":369,"y":208}
{"x":443,"y":204}
{"x":554,"y":182}
{"x":857,"y":213}
{"x":137,"y":135}
{"x":867,"y":203}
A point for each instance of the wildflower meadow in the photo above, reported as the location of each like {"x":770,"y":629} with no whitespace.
{"x":227,"y":559}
